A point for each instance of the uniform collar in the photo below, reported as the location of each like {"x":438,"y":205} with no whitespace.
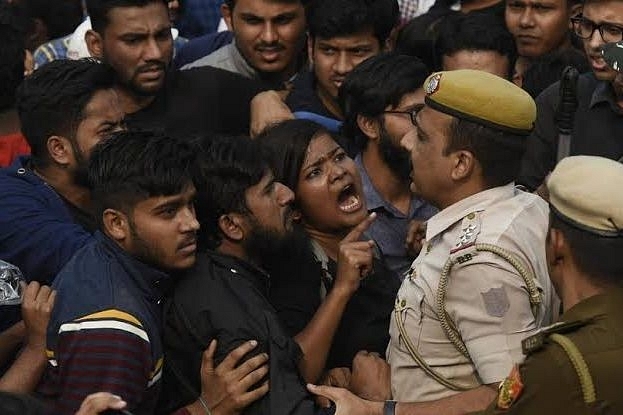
{"x":596,"y":306}
{"x":153,"y":283}
{"x":474,"y":203}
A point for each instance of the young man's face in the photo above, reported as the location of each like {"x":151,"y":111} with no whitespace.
{"x":393,"y":126}
{"x":137,"y":43}
{"x":599,"y":13}
{"x":538,"y":26}
{"x":102,"y":116}
{"x":269,"y":33}
{"x":336,"y":57}
{"x":269,"y":223}
{"x":163,"y":231}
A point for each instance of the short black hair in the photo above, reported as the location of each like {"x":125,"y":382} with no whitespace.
{"x":474,"y":31}
{"x":98,"y":10}
{"x":61,"y":17}
{"x":327,"y":19}
{"x":132,"y":166}
{"x":12,"y":54}
{"x":597,"y":256}
{"x":52,"y":100}
{"x":228,"y":166}
{"x":547,"y":69}
{"x":285,"y":145}
{"x":416,"y":38}
{"x":377,"y":83}
{"x":232,"y":3}
{"x":499,"y":153}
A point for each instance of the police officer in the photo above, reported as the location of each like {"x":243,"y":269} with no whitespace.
{"x":574,"y":366}
{"x":479,"y":285}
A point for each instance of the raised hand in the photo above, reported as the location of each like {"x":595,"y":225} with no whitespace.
{"x":355,"y":257}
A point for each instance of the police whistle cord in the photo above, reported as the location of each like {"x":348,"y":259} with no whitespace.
{"x":565,"y":113}
{"x":446,"y":323}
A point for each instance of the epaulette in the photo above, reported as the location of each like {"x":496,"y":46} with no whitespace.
{"x":465,"y":248}
{"x":536,"y":341}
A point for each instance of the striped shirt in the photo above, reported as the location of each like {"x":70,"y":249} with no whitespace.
{"x":104,"y":333}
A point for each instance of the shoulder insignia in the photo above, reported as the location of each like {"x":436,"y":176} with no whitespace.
{"x":536,"y":341}
{"x":470,"y":228}
{"x":510,"y":389}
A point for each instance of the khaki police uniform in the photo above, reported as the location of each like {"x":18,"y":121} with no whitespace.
{"x":575,"y":366}
{"x":471,"y":335}
{"x":486,"y":297}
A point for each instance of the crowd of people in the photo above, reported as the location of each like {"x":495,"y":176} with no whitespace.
{"x":311,"y":207}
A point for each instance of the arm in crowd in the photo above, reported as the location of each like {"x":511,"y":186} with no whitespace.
{"x":25,"y":373}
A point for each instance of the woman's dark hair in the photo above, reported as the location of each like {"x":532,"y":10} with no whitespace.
{"x":284,"y":146}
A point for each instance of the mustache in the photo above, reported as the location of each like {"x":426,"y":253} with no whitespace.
{"x":191,"y":240}
{"x":269,"y":46}
{"x":151,"y":66}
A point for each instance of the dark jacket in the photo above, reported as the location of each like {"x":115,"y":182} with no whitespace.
{"x":225,"y":298}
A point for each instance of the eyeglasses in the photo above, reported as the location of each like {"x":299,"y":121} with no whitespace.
{"x":585,"y":29}
{"x":412,"y":113}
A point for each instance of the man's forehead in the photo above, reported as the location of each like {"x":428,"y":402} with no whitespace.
{"x":153,"y":15}
{"x":267,"y":8}
{"x":365,"y":37}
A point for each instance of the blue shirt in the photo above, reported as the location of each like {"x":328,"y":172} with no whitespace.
{"x":199,"y":17}
{"x":390,"y":227}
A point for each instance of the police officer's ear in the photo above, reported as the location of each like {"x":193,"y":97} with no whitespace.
{"x":232,"y":226}
{"x":95,"y":44}
{"x":60,"y":150}
{"x":116,"y":225}
{"x":464,"y":165}
{"x":369,"y":126}
{"x":556,"y":247}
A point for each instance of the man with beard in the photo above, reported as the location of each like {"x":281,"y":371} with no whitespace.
{"x":245,"y":217}
{"x":105,"y":330}
{"x":379,"y":100}
{"x":134,"y":38}
{"x":65,"y":108}
{"x":598,"y":119}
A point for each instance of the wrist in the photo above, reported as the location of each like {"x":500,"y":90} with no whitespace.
{"x":389,"y":407}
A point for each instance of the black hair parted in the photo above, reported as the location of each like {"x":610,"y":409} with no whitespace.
{"x":52,"y":100}
{"x":377,"y":83}
{"x":474,"y":31}
{"x":285,"y":145}
{"x":132,"y":166}
{"x":228,"y":166}
{"x":327,"y":19}
{"x":98,"y":10}
{"x":12,"y":54}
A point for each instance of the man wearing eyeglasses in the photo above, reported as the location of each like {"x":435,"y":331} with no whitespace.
{"x":598,"y":119}
{"x":379,"y":99}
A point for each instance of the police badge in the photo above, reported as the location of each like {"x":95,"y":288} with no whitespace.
{"x":433,"y":84}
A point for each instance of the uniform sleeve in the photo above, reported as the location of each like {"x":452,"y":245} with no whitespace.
{"x":540,"y":156}
{"x":489,"y":305}
{"x":107,"y":351}
{"x":34,"y":238}
{"x":550,"y":386}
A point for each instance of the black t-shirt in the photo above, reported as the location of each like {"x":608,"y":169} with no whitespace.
{"x":200,"y":102}
{"x":225,"y":298}
{"x":365,"y":322}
